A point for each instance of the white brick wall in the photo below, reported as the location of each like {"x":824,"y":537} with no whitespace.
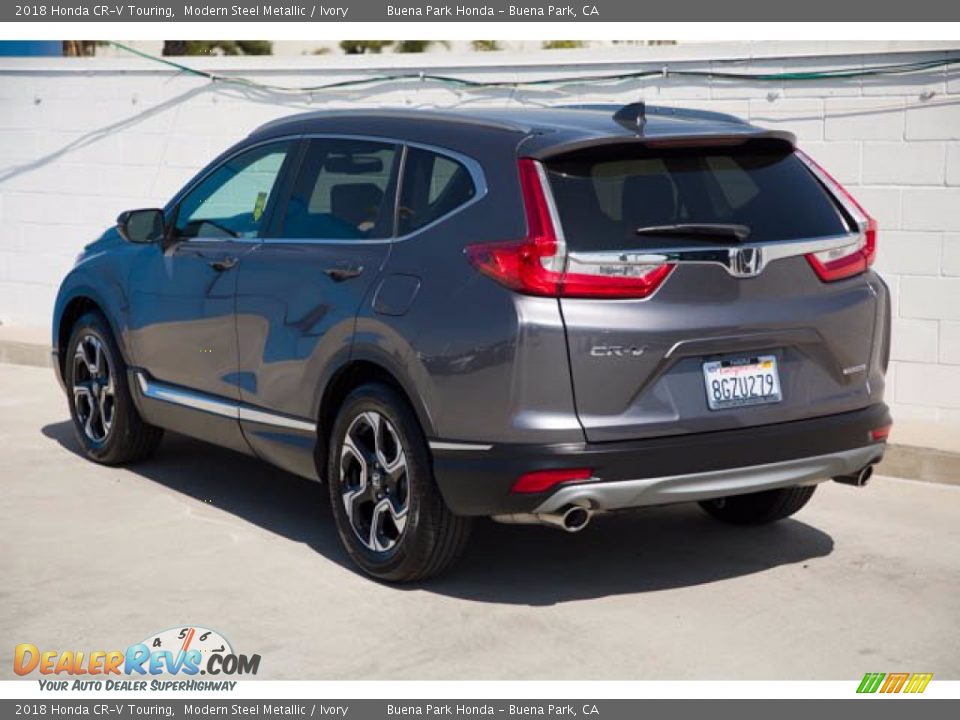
{"x":81,"y":140}
{"x":949,"y":343}
{"x":900,"y":163}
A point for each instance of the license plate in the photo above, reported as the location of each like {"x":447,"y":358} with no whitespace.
{"x":742,"y":382}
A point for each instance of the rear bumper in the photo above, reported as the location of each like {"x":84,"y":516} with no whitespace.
{"x":618,"y":494}
{"x":476,"y":479}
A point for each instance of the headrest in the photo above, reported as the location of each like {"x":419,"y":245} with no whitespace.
{"x":356,"y":203}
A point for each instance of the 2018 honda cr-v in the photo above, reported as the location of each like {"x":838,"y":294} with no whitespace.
{"x":530,"y":314}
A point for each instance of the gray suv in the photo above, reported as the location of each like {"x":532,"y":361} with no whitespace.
{"x":536,"y":315}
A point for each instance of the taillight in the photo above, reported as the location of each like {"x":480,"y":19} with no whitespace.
{"x":538,"y":264}
{"x":880,"y":434}
{"x":852,"y":259}
{"x":542,"y":480}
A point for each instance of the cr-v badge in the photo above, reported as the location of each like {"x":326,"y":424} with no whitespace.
{"x":604,"y":351}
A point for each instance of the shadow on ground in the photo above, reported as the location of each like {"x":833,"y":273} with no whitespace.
{"x":630,"y":552}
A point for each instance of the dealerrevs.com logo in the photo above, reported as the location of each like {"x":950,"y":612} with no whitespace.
{"x":185,"y":651}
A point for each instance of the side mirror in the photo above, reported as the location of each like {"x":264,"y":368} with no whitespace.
{"x":141,"y":226}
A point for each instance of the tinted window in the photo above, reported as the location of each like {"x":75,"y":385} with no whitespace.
{"x":433,"y":185}
{"x":344,"y":190}
{"x":604,"y":196}
{"x":232,"y":200}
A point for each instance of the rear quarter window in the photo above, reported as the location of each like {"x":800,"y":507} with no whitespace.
{"x":434,"y":185}
{"x":604,"y":195}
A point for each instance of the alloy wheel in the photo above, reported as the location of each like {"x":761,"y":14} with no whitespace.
{"x":93,"y":388}
{"x":374,"y":482}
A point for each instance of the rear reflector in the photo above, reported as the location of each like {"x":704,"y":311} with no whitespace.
{"x":851,"y":259}
{"x":542,"y":480}
{"x":537,"y":264}
{"x":880,"y":434}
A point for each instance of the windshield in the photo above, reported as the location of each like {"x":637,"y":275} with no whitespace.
{"x":604,"y":196}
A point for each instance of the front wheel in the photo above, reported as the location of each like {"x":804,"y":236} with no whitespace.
{"x":389,"y":513}
{"x":759,"y":508}
{"x":105,"y":419}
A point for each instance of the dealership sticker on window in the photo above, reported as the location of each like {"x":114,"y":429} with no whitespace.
{"x":259,"y":206}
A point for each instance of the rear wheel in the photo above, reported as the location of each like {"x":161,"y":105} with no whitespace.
{"x":759,"y":508}
{"x":105,"y":420}
{"x":389,"y":513}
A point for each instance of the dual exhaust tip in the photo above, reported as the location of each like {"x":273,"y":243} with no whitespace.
{"x":572,"y":518}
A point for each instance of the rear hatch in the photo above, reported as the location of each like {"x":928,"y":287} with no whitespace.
{"x":710,"y":285}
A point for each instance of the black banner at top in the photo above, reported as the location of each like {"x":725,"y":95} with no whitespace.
{"x":480,"y":11}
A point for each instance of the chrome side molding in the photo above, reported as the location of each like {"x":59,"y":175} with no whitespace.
{"x":250,"y":414}
{"x":218,"y":406}
{"x":441,"y":445}
{"x":187,"y":398}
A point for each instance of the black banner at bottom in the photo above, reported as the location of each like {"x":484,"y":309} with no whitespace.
{"x":875,"y":708}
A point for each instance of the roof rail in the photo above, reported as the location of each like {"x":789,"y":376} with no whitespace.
{"x":687,"y":113}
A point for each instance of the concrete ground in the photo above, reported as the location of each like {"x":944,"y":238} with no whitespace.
{"x":99,"y":558}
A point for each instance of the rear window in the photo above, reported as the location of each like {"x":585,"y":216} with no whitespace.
{"x":604,"y":195}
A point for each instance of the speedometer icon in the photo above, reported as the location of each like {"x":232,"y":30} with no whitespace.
{"x":182,"y":639}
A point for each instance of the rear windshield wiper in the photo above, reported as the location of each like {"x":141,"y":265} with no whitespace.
{"x":705,"y":231}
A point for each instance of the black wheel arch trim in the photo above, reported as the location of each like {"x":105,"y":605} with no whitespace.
{"x":382,"y":359}
{"x":76,"y":292}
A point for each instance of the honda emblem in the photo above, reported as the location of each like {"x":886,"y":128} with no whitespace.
{"x":746,"y":262}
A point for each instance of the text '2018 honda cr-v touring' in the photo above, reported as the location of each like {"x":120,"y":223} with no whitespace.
{"x":530,"y":314}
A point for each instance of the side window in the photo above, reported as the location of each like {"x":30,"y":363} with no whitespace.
{"x":433,"y":185}
{"x":230,"y":202}
{"x":344,"y":190}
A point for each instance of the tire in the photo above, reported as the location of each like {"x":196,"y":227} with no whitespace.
{"x":398,"y":529}
{"x":97,"y":388}
{"x":759,"y":508}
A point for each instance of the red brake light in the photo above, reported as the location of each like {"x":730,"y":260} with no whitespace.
{"x":543,"y":480}
{"x":880,"y":434}
{"x":851,"y":259}
{"x":537,"y":265}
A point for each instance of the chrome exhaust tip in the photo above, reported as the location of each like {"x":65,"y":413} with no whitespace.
{"x":857,"y":479}
{"x":572,"y":518}
{"x":575,"y":519}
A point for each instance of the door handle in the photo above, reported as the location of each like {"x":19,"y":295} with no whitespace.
{"x":344,"y":272}
{"x":223,"y":263}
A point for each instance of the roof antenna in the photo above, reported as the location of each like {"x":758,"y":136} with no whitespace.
{"x":632,"y":116}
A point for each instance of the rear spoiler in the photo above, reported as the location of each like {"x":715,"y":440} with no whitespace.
{"x":661,"y":111}
{"x":717,"y":129}
{"x":707,"y":139}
